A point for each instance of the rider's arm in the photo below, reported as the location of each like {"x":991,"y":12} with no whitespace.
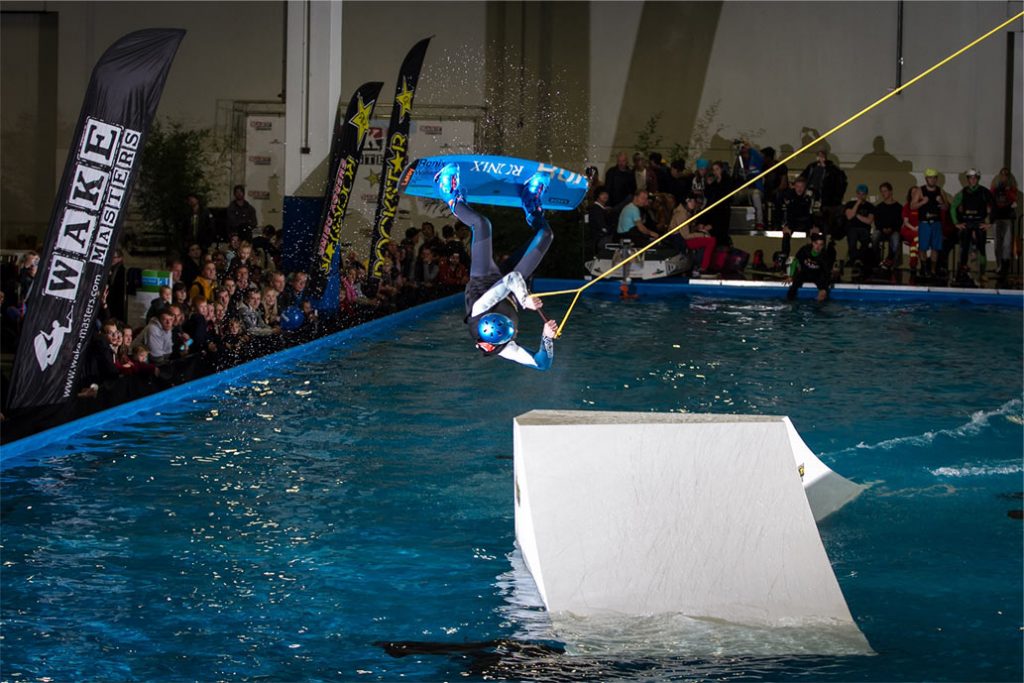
{"x":539,"y":361}
{"x":512,"y":283}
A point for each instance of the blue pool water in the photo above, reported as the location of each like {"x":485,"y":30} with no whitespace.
{"x":279,"y":529}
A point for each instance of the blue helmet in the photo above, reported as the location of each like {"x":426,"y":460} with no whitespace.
{"x":495,"y":328}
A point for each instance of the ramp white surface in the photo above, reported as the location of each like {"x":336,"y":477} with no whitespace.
{"x":639,"y":514}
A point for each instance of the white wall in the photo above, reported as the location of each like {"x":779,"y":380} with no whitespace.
{"x":783,"y":65}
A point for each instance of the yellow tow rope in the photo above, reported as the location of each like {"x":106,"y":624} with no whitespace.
{"x":579,"y":290}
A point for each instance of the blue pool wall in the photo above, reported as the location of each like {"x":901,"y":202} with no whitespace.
{"x":38,"y":446}
{"x":23,"y":451}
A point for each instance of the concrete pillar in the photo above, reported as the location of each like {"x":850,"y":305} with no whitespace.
{"x":312,"y":91}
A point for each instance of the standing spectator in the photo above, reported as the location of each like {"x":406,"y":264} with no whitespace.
{"x":656,"y":166}
{"x":241,"y":215}
{"x":699,"y":181}
{"x":1004,"y":214}
{"x":751,"y":164}
{"x":860,"y":216}
{"x":680,"y":180}
{"x":909,"y":231}
{"x":717,"y":187}
{"x":930,"y":208}
{"x":827,"y":183}
{"x":599,"y":219}
{"x":277,"y":282}
{"x":620,"y":181}
{"x":193,"y":264}
{"x":643,"y":177}
{"x":793,"y":212}
{"x":197,"y":225}
{"x":175,"y":267}
{"x":775,"y":181}
{"x":888,"y":219}
{"x":102,"y":359}
{"x":631,"y":222}
{"x":971,"y":213}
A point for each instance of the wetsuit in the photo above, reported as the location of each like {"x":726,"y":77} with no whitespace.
{"x":809,"y":266}
{"x":973,"y":207}
{"x":503,"y":290}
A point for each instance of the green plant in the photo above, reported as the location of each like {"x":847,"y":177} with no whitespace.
{"x":175,"y":163}
{"x":647,"y":138}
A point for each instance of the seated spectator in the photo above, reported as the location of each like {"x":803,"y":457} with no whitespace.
{"x":222,"y":296}
{"x":127,"y":339}
{"x":243,"y":285}
{"x":631,"y":223}
{"x":162,"y":300}
{"x":696,"y":238}
{"x":451,"y":243}
{"x":179,"y":296}
{"x":234,"y":242}
{"x":197,"y":327}
{"x":138,"y":363}
{"x":452,"y":273}
{"x":295,"y":294}
{"x":204,"y":283}
{"x":251,"y":317}
{"x":233,"y":343}
{"x":269,"y":308}
{"x":241,"y":259}
{"x":157,"y":336}
{"x":427,"y":268}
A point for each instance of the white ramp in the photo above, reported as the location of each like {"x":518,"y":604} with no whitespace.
{"x":700,"y":515}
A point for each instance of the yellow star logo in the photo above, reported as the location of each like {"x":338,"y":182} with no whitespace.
{"x":373,"y":178}
{"x":404,"y":99}
{"x":397,"y":162}
{"x":362,"y":118}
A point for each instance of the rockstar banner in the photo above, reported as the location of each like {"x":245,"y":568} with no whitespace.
{"x":396,"y":155}
{"x":88,"y":214}
{"x":346,"y":153}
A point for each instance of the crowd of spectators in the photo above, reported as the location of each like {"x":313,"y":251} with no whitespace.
{"x":642,"y":200}
{"x":230,"y":300}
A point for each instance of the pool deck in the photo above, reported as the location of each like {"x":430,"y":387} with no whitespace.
{"x":762,"y":289}
{"x":56,"y":439}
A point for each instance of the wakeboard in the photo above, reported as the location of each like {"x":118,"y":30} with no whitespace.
{"x":495,"y":180}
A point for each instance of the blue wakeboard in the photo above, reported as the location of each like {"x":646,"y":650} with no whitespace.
{"x":497,"y":181}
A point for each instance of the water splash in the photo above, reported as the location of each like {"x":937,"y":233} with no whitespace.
{"x":978,"y":422}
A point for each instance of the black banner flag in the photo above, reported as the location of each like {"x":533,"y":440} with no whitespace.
{"x":396,"y":155}
{"x":346,"y":153}
{"x":88,"y":214}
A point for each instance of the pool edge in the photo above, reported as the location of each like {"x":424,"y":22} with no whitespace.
{"x":15,"y":452}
